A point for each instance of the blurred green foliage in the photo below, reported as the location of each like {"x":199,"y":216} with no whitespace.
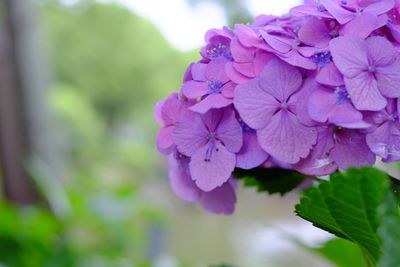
{"x":109,"y":68}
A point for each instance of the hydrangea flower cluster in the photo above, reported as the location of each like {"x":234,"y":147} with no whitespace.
{"x":314,"y":91}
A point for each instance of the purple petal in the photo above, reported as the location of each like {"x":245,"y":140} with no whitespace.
{"x":230,"y":132}
{"x":384,"y":143}
{"x":194,"y":89}
{"x":339,"y":13}
{"x":380,"y":51}
{"x":254,"y":105}
{"x":286,"y":139}
{"x":183,"y":185}
{"x":389,"y":79}
{"x":351,"y":149}
{"x":251,"y":154}
{"x":363,"y":25}
{"x":308,"y":9}
{"x":330,"y":75}
{"x":215,"y":71}
{"x":247,"y":69}
{"x":302,"y":104}
{"x":241,"y":53}
{"x":234,"y":75}
{"x":198,"y":71}
{"x":364,"y":93}
{"x":211,"y":166}
{"x":228,"y":90}
{"x":324,"y":107}
{"x":297,"y":60}
{"x":221,"y":200}
{"x":379,"y":7}
{"x":280,"y":80}
{"x":190,"y":134}
{"x":350,"y":55}
{"x":246,"y":35}
{"x":210,"y":102}
{"x":158,"y":112}
{"x":164,"y":140}
{"x":319,"y":162}
{"x":276,"y":43}
{"x":314,"y":32}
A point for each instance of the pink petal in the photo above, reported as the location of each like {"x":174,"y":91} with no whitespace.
{"x":211,"y":174}
{"x":351,"y":149}
{"x":389,"y":79}
{"x":251,"y":154}
{"x":286,"y":139}
{"x":254,"y":105}
{"x":350,"y":55}
{"x":364,"y":93}
{"x":230,"y":132}
{"x":210,"y":102}
{"x":221,"y":200}
{"x":194,"y":89}
{"x":190,"y":134}
{"x":280,"y":80}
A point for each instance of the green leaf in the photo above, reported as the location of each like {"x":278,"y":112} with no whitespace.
{"x":342,"y":253}
{"x":389,"y":231}
{"x":347,"y":206}
{"x":271,"y":180}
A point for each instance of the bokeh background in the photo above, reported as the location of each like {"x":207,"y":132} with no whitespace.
{"x":82,"y":183}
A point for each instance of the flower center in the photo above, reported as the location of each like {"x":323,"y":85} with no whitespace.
{"x":371,"y":69}
{"x":322,"y":58}
{"x":321,"y":8}
{"x":392,"y":117}
{"x":214,"y":87}
{"x":284,"y":105}
{"x":212,"y":147}
{"x":342,"y":95}
{"x":218,"y":51}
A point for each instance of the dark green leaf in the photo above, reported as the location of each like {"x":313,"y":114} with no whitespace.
{"x":347,"y":206}
{"x":271,"y":180}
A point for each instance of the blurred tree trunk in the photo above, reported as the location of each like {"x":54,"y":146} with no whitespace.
{"x":27,"y":144}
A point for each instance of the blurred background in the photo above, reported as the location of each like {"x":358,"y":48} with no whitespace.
{"x":81,"y":181}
